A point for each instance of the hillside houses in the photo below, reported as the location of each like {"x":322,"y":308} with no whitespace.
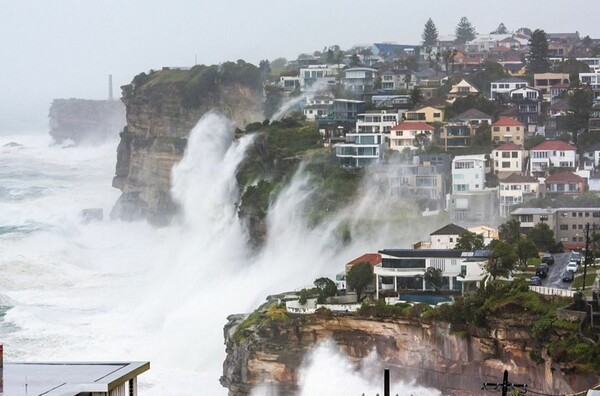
{"x":389,"y":105}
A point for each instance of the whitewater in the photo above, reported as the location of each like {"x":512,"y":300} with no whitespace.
{"x":126,"y":291}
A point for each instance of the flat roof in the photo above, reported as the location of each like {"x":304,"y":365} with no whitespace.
{"x":422,"y":253}
{"x":66,"y":378}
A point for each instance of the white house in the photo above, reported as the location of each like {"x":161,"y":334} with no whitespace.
{"x":360,"y":149}
{"x":526,"y":92}
{"x":316,"y":77}
{"x":318,"y":106}
{"x":505,"y":85}
{"x":405,"y":268}
{"x":591,"y":156}
{"x":446,"y":237}
{"x":551,"y":153}
{"x":468,"y":173}
{"x":409,"y":134}
{"x":514,"y":190}
{"x":508,"y":159}
{"x":591,"y":79}
{"x":378,"y":121}
{"x":359,"y":79}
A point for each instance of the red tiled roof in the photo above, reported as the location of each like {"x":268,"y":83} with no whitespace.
{"x":516,"y":178}
{"x":371,"y":258}
{"x":564,"y":177}
{"x":554,"y":145}
{"x":412,"y":126}
{"x":507,"y":121}
{"x":510,"y":146}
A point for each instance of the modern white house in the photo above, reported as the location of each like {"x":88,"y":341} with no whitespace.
{"x":316,"y":77}
{"x":508,"y":159}
{"x":591,"y":79}
{"x":504,"y":86}
{"x":405,"y":268}
{"x":359,"y":79}
{"x":514,"y":190}
{"x":378,"y":121}
{"x":360,"y":149}
{"x":468,"y":173}
{"x":591,"y":156}
{"x":318,"y":106}
{"x":409,"y":134}
{"x":551,"y":153}
{"x":525,"y":92}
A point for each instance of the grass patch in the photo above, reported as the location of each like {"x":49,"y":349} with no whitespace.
{"x":589,"y":279}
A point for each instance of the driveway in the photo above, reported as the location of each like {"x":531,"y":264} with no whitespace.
{"x":554,"y":278}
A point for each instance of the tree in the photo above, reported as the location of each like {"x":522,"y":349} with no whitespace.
{"x":415,"y":96}
{"x":501,"y":29}
{"x":580,"y":103}
{"x":533,"y":141}
{"x":448,"y":56}
{"x":359,"y":277}
{"x":354,"y":60}
{"x":469,"y":241}
{"x":510,"y":232}
{"x":326,"y":288}
{"x":502,"y":260}
{"x":465,"y":31}
{"x":430,"y":34}
{"x":543,"y":237}
{"x":526,"y":249}
{"x":538,"y":52}
{"x":434,"y":277}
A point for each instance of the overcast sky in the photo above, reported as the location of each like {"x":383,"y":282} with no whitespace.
{"x":67,"y":48}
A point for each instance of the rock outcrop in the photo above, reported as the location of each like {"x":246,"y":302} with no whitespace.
{"x":83,"y":120}
{"x":413,"y":349}
{"x":162,"y":108}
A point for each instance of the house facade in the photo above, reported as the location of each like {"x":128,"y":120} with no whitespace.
{"x":446,"y":237}
{"x":409,"y":134}
{"x":359,"y":79}
{"x":316,"y":77}
{"x":468,"y":173}
{"x":504,"y":86}
{"x":551,"y":153}
{"x":405,"y":268}
{"x":545,"y":81}
{"x":508,"y":130}
{"x":457,"y":135}
{"x":377,"y":121}
{"x":514,"y":190}
{"x":508,"y":159}
{"x":560,"y":183}
{"x":462,"y":89}
{"x":474,"y":117}
{"x":426,"y":114}
{"x":360,"y":149}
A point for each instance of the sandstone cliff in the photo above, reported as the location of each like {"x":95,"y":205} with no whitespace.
{"x":162,"y":108}
{"x":414,"y":349}
{"x":82,"y":120}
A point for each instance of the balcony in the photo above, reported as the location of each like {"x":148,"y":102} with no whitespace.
{"x":404,"y":272}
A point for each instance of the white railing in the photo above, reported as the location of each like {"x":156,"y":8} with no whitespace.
{"x":551,"y":291}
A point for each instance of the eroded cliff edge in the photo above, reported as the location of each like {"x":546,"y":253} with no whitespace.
{"x":162,"y":107}
{"x":427,"y":351}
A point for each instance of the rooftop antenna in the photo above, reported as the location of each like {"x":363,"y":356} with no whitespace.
{"x":110,"y":88}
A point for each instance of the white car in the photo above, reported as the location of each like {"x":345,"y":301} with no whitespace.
{"x":572,"y":266}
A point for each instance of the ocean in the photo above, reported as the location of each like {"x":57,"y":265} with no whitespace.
{"x":126,"y":291}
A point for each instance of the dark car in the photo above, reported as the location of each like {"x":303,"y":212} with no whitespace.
{"x":535,"y":281}
{"x":542,"y":270}
{"x":568,"y":276}
{"x":548,"y":259}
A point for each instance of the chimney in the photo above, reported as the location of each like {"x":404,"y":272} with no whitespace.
{"x":110,"y":89}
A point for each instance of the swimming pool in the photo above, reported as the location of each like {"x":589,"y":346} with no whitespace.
{"x":431,"y":299}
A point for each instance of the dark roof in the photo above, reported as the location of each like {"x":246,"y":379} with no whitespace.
{"x":472,"y":114}
{"x":422,"y":253}
{"x":510,"y":80}
{"x":389,"y":48}
{"x":513,"y":66}
{"x":450,"y":229}
{"x":593,"y":147}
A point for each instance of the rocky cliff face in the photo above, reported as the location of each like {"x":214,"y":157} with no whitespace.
{"x":82,"y":120}
{"x":413,"y":350}
{"x":162,"y":108}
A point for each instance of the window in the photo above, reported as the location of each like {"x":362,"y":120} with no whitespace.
{"x":496,"y":129}
{"x":436,"y":115}
{"x":451,"y":239}
{"x":515,"y":154}
{"x":564,"y":227}
{"x":574,"y":226}
{"x":505,"y":154}
{"x":580,"y":226}
{"x":506,"y":164}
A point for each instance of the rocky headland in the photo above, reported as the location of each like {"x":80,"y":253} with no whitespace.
{"x":271,"y":345}
{"x":162,"y":108}
{"x":84,"y":120}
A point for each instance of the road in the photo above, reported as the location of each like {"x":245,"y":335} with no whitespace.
{"x":554,"y":278}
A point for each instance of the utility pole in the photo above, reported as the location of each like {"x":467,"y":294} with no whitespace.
{"x":587,"y":254}
{"x":386,"y":382}
{"x":110,"y":88}
{"x":504,"y":386}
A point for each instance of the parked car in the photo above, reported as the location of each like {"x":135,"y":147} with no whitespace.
{"x":535,"y":281}
{"x":548,"y":259}
{"x":576,"y":256}
{"x":573,"y":266}
{"x":542,"y":270}
{"x":568,"y":276}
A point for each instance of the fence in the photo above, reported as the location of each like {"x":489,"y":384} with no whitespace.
{"x":551,"y":291}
